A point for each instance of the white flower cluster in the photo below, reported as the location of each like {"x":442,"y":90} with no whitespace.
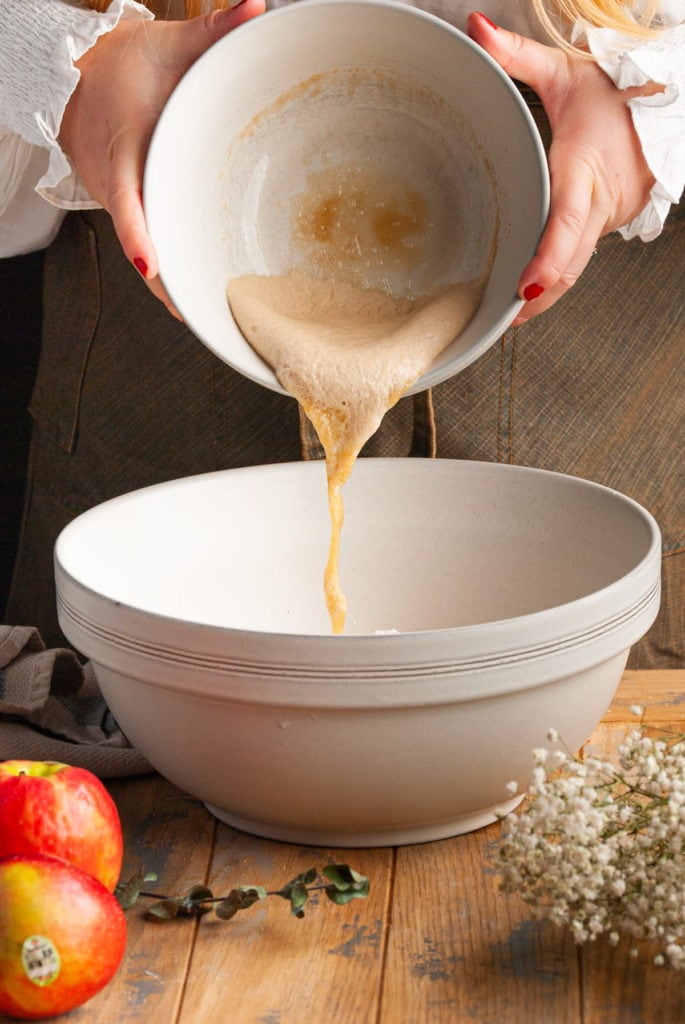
{"x":601,"y":848}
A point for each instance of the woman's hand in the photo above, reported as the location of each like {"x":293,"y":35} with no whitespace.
{"x":599,"y":178}
{"x":126,"y":78}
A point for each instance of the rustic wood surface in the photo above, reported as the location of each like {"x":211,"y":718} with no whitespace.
{"x":403,"y":956}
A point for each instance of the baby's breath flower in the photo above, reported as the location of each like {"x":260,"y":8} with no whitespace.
{"x":601,"y":848}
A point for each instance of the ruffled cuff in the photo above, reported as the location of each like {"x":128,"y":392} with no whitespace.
{"x":659,"y":119}
{"x":43,"y":39}
{"x":60,"y":185}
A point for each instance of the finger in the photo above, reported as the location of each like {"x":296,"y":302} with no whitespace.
{"x":125,"y":205}
{"x":200,"y":33}
{"x":586,"y":248}
{"x":530,"y":62}
{"x":129,"y":224}
{"x":571,"y":208}
{"x":128,"y":155}
{"x":157,"y":288}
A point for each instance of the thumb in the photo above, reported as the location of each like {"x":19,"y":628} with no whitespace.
{"x":200,"y":33}
{"x":529,"y":62}
{"x":186,"y":41}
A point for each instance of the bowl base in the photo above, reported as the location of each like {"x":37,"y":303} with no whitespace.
{"x":391,"y":836}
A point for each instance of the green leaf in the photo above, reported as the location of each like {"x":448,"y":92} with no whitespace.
{"x":192,"y":905}
{"x":299,"y":894}
{"x":240,"y":898}
{"x":296,"y":891}
{"x":127,"y":892}
{"x":200,"y":893}
{"x":336,"y":896}
{"x":306,"y":878}
{"x":166,"y":910}
{"x":343,"y":876}
{"x":347,"y":884}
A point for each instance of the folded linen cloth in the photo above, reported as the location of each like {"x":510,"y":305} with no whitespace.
{"x":51,"y":709}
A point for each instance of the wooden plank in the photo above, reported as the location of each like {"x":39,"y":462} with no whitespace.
{"x":461,"y":950}
{"x":662,"y":691}
{"x":621,"y":990}
{"x":171,"y":834}
{"x":266,"y":966}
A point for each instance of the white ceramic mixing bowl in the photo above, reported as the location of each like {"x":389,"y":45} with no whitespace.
{"x":516,"y":592}
{"x":399,"y":100}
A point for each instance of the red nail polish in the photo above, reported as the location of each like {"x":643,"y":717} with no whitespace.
{"x":532,"y":291}
{"x":485,"y":18}
{"x":140,"y":265}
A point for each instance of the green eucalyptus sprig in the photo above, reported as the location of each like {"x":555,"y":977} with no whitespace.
{"x":343,"y":885}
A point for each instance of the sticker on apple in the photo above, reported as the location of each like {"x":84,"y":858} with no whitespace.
{"x":40,"y":960}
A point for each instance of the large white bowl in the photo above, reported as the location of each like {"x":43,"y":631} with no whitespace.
{"x":323,"y":83}
{"x":516,"y":592}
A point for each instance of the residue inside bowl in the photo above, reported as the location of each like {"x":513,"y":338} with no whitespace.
{"x":376,"y":268}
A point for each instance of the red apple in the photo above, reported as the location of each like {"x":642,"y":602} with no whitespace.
{"x":62,"y":936}
{"x":62,"y":811}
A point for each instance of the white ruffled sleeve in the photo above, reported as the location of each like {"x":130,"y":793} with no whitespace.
{"x":659,"y":119}
{"x":41,"y":39}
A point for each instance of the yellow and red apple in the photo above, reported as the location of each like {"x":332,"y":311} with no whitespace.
{"x":62,"y":936}
{"x":62,"y":811}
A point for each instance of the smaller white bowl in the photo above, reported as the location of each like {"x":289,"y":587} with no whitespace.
{"x":517,"y":594}
{"x":368,"y":84}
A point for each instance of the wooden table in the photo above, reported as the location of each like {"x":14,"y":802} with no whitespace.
{"x":403,"y":956}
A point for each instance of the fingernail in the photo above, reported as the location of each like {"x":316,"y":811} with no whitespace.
{"x":140,"y":265}
{"x":532,"y":291}
{"x":485,"y":18}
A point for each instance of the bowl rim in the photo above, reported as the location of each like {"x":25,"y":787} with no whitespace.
{"x":435,"y":374}
{"x":491,"y":648}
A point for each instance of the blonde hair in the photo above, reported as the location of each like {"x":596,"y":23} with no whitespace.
{"x":556,"y":16}
{"x":169,"y":8}
{"x":637,"y":19}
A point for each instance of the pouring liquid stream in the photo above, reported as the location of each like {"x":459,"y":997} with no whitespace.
{"x":348,"y":352}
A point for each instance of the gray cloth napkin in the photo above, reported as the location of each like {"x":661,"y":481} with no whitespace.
{"x":51,"y":709}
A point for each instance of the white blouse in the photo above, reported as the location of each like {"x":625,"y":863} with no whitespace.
{"x":41,"y":39}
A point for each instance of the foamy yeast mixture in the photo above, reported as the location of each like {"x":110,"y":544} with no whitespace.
{"x":347,"y":351}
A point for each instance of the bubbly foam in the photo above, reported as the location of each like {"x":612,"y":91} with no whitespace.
{"x":347,"y":354}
